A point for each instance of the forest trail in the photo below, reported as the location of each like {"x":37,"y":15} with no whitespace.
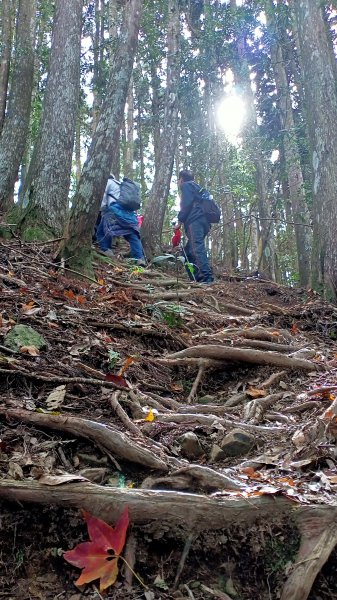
{"x":209,"y":411}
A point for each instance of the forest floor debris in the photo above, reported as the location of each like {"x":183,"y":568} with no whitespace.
{"x":209,"y":412}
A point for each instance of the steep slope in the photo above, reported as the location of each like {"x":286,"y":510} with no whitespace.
{"x":208,"y":411}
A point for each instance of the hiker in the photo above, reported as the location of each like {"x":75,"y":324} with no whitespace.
{"x":196,"y":228}
{"x":118,"y":219}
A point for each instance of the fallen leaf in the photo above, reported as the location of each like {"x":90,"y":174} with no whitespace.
{"x":30,"y":308}
{"x":255,"y":393}
{"x":99,"y":557}
{"x":101,"y":281}
{"x":56,"y":397}
{"x":150,"y":416}
{"x":127,"y":363}
{"x":60,"y":479}
{"x":117,"y":379}
{"x":31,"y":350}
{"x":294,"y":329}
{"x":69,"y":294}
{"x":251,"y":473}
{"x":80,"y":299}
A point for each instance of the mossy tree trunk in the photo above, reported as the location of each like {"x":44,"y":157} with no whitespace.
{"x":76,"y":249}
{"x":50,"y":179}
{"x":5,"y":54}
{"x":320,"y":84}
{"x":15,"y":129}
{"x":291,"y":153}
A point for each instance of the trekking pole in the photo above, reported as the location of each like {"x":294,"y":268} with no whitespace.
{"x":187,"y":263}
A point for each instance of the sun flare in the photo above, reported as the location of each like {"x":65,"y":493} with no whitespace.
{"x":230,"y":116}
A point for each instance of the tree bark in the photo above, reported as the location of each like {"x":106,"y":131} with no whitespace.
{"x":291,"y":153}
{"x":77,"y":247}
{"x":15,"y":128}
{"x":156,"y":206}
{"x":319,"y":80}
{"x":128,"y":163}
{"x":49,"y":188}
{"x":5,"y":56}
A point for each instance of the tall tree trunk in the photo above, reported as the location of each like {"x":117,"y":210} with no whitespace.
{"x":5,"y":55}
{"x":96,"y":42}
{"x":113,"y":40}
{"x":291,"y":154}
{"x":156,"y":206}
{"x":77,"y":247}
{"x":266,"y":261}
{"x":78,"y":160}
{"x":320,"y":84}
{"x":128,"y":164}
{"x":15,"y":128}
{"x":48,"y":205}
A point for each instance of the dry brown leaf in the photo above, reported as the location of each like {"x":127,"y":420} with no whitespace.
{"x":56,"y":397}
{"x":60,"y":479}
{"x":256,"y":393}
{"x":31,"y":350}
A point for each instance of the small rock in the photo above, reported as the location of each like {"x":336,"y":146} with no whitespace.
{"x":283,"y":385}
{"x":216,"y":453}
{"x":237,"y":443}
{"x":24,"y":335}
{"x":190,"y":445}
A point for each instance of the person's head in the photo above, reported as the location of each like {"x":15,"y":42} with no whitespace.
{"x":185,"y":176}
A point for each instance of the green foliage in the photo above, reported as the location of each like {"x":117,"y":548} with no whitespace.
{"x":113,"y":358}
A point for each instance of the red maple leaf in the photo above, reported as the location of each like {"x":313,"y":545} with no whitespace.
{"x":99,"y":557}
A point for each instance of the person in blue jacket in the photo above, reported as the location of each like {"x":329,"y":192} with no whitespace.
{"x":196,"y":228}
{"x":117,"y":221}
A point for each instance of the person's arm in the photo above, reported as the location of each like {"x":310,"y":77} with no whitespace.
{"x":186,"y":203}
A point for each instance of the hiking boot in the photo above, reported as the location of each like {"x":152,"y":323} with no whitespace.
{"x":108,"y":253}
{"x":141,"y":262}
{"x":207,"y":282}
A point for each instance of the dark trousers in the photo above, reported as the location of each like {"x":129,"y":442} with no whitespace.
{"x":196,"y":251}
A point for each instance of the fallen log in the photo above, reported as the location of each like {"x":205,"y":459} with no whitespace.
{"x":193,"y":513}
{"x":188,"y":511}
{"x":259,"y":357}
{"x":103,"y":435}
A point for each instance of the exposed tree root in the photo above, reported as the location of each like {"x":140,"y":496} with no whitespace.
{"x":261,"y":345}
{"x":255,"y":409}
{"x":220,"y":353}
{"x":191,"y":512}
{"x":273,"y":379}
{"x":197,"y":381}
{"x":193,"y":477}
{"x":255,"y":333}
{"x":319,"y":537}
{"x":105,"y":436}
{"x":211,"y":419}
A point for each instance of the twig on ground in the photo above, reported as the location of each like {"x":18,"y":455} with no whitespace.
{"x":130,"y":558}
{"x":197,"y":381}
{"x":183,"y":558}
{"x":122,"y":415}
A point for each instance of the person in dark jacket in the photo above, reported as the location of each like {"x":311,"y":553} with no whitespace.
{"x":196,"y":228}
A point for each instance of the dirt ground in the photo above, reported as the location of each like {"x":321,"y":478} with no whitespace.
{"x":142,"y":352}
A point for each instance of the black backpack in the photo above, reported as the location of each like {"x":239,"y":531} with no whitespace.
{"x":129,"y":196}
{"x":209,"y":207}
